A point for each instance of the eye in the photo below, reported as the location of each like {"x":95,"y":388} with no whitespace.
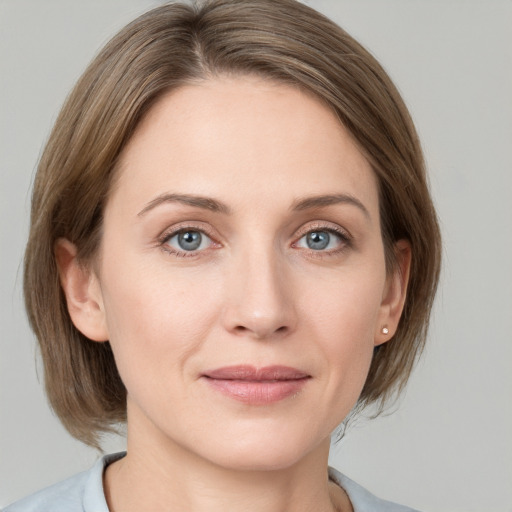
{"x":327,"y":240}
{"x":189,"y":240}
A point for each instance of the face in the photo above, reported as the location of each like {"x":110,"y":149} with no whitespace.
{"x":241,"y":278}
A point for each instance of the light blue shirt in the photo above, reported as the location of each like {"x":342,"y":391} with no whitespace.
{"x":84,"y":493}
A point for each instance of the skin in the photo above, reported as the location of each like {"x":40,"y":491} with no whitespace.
{"x":253,"y":293}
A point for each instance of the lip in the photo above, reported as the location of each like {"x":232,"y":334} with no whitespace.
{"x":257,"y":386}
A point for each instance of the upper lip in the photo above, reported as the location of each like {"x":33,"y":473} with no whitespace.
{"x":253,"y":374}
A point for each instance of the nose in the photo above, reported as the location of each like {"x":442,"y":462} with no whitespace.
{"x":260,"y":300}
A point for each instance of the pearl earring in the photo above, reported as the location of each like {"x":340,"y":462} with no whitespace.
{"x":385,"y":330}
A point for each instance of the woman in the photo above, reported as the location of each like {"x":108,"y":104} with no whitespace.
{"x":232,"y":247}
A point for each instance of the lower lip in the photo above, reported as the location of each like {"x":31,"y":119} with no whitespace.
{"x":258,"y":392}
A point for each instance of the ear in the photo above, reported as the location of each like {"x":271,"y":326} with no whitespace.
{"x":83,"y":292}
{"x":395,"y":291}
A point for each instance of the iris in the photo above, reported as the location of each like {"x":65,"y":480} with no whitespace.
{"x":318,"y":240}
{"x":190,"y":240}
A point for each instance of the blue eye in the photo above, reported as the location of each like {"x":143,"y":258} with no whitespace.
{"x":321,"y":240}
{"x":189,"y":241}
{"x":318,"y":240}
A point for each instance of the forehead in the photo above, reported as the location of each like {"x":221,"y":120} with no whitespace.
{"x":242,"y":140}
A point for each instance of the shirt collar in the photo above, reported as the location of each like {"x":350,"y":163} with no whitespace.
{"x":94,"y":495}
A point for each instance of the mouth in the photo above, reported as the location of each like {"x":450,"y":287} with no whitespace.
{"x":257,"y":386}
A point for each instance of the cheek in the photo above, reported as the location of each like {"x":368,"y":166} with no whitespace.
{"x":342,"y":317}
{"x":345,"y":305}
{"x":155,"y":320}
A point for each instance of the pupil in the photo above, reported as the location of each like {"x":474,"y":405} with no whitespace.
{"x":190,"y":240}
{"x":318,"y":240}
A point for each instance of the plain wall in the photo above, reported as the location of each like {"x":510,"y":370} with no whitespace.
{"x":448,"y":447}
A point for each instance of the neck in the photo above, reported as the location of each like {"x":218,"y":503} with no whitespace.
{"x":157,"y":474}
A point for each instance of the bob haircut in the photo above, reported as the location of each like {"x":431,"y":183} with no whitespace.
{"x":171,"y":46}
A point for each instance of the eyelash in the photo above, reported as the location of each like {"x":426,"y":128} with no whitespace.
{"x":344,"y":236}
{"x":176,"y":230}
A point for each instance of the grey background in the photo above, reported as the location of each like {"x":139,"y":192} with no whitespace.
{"x":448,"y":446}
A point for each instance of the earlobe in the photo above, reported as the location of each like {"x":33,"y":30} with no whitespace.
{"x":395,"y":292}
{"x":83,"y":293}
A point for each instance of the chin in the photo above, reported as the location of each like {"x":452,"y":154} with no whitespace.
{"x":270,"y":452}
{"x":258,"y":460}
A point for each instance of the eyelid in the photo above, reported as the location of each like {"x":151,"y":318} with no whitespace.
{"x":325,"y":226}
{"x":181,"y":227}
{"x":343,"y":234}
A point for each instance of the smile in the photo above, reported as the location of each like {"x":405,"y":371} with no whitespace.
{"x":257,"y":386}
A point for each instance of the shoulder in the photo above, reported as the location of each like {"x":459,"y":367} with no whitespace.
{"x":66,"y":495}
{"x":80,"y":493}
{"x":363,"y":500}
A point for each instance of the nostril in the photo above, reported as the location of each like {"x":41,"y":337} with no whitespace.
{"x":260,"y":333}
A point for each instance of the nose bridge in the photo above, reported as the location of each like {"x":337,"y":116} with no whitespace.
{"x":260,"y":298}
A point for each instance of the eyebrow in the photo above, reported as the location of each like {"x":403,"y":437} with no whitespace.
{"x":206,"y":203}
{"x":328,"y":200}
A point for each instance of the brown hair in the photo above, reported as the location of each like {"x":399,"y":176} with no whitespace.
{"x":173,"y":45}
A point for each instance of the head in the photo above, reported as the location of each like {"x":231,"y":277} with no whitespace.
{"x":281,"y":44}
